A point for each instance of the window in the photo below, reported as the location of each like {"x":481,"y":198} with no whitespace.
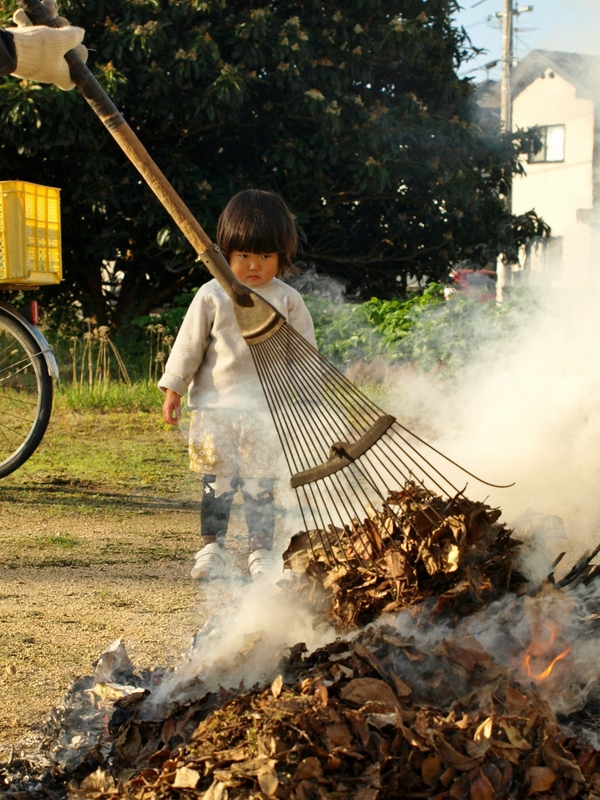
{"x":553,"y":145}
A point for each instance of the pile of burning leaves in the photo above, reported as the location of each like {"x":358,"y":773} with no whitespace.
{"x":374,"y":718}
{"x":378,"y":713}
{"x":419,"y":546}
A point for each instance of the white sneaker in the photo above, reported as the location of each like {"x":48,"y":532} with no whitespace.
{"x":261,"y":562}
{"x":209,"y":563}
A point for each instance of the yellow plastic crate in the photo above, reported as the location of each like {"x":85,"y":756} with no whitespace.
{"x":30,"y":253}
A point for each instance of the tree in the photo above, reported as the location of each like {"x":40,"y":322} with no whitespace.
{"x":351,"y":109}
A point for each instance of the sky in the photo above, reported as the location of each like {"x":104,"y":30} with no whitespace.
{"x":571,"y":26}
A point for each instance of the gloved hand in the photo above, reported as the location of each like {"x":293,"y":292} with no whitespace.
{"x":40,"y":50}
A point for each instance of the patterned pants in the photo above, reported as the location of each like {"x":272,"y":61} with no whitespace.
{"x":215,"y":508}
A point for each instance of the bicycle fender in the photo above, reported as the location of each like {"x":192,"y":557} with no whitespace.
{"x":44,"y":346}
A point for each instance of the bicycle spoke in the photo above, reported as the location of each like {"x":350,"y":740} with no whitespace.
{"x":19,"y":399}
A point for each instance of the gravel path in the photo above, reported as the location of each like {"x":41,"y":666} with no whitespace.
{"x":84,"y":562}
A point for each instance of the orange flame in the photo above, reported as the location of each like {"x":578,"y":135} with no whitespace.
{"x":541,"y":676}
{"x":546,"y":640}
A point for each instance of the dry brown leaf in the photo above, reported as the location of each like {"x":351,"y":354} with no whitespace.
{"x":370,"y":658}
{"x":321,"y":694}
{"x":277,"y":686}
{"x":432,"y":768}
{"x":129,"y":743}
{"x":379,"y":720}
{"x":337,"y":735}
{"x":364,"y":690}
{"x":467,"y":652}
{"x":268,"y":781}
{"x":458,"y":654}
{"x":454,"y":758}
{"x":159,"y":757}
{"x":560,"y":760}
{"x":540,"y":779}
{"x":450,"y":557}
{"x":186,"y":778}
{"x":477,"y":749}
{"x":515,"y":701}
{"x":216,"y":791}
{"x":461,"y":788}
{"x":483,"y":730}
{"x":232,"y":754}
{"x":514,"y":736}
{"x":359,"y":724}
{"x":98,"y":781}
{"x":481,"y":788}
{"x":306,"y":790}
{"x":398,"y":567}
{"x":308,"y":768}
{"x":367,"y":793}
{"x":447,"y":777}
{"x":402,"y":689}
{"x":506,"y":750}
{"x":339,"y":672}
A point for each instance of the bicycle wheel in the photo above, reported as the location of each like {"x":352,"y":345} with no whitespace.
{"x":25,"y":394}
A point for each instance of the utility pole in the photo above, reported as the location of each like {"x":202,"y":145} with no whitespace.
{"x":508,"y":14}
{"x":508,"y":58}
{"x":507,"y":63}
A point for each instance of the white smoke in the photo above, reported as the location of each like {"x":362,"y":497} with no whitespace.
{"x":252,"y":627}
{"x":316,"y":284}
{"x":531,"y":414}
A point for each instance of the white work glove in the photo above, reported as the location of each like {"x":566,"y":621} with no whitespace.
{"x":40,"y":50}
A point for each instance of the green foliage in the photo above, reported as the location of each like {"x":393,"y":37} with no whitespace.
{"x":453,"y":335}
{"x":426,"y":330}
{"x":171,"y":316}
{"x":344,"y":332}
{"x":351,"y":109}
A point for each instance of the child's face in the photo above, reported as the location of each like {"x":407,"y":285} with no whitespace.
{"x":254,"y":269}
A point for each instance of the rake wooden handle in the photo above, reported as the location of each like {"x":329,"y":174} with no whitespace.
{"x":128,"y":141}
{"x":255,"y":316}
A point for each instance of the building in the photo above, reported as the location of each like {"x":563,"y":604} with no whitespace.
{"x":560,"y":94}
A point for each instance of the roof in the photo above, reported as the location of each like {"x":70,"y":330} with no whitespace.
{"x":581,"y":70}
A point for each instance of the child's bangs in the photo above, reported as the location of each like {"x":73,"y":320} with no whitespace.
{"x":259,"y":239}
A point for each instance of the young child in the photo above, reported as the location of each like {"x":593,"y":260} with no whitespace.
{"x":232,"y":438}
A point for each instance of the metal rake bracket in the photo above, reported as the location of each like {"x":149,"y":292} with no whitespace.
{"x":342,"y":454}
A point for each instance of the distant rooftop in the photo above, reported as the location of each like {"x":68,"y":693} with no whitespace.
{"x":580,"y":70}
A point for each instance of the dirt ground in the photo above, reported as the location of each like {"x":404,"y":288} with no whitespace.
{"x":98,"y":532}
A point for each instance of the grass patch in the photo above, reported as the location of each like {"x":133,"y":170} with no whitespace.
{"x":63,"y":540}
{"x":111,"y":396}
{"x":101,"y":489}
{"x":103,"y":458}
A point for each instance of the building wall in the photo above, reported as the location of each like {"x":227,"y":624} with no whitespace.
{"x":558,"y":190}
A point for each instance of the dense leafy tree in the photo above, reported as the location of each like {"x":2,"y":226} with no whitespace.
{"x":351,"y":108}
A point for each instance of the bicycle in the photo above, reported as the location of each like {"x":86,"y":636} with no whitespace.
{"x":29,"y":257}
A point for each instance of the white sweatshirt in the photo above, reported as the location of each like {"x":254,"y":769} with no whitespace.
{"x":210,"y":359}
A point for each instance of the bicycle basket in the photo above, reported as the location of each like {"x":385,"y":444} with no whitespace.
{"x":30,"y":253}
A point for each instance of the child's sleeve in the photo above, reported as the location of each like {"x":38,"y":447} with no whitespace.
{"x":189,"y":347}
{"x":300,"y":319}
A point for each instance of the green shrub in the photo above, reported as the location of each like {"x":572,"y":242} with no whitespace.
{"x":426,"y":330}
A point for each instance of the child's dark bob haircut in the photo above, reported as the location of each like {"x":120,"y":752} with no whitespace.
{"x":257,"y":221}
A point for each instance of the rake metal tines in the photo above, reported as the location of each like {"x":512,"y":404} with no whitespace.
{"x":353,"y":466}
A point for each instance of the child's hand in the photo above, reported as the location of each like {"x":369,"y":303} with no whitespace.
{"x":172,"y":408}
